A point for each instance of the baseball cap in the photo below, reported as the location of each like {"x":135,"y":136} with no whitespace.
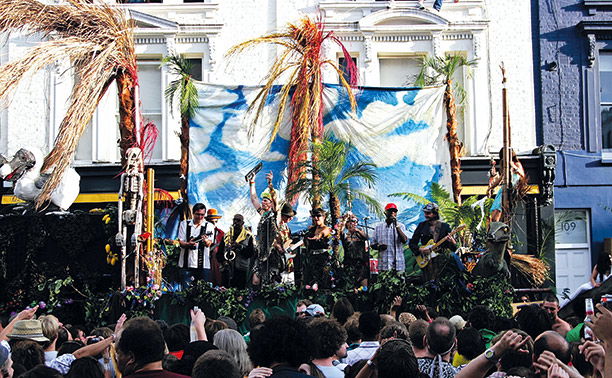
{"x":315,"y":310}
{"x":391,"y":206}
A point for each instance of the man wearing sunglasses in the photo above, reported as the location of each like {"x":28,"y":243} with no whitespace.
{"x":431,"y":229}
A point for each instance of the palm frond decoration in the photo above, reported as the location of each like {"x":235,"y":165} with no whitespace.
{"x":184,"y":90}
{"x":440,"y":70}
{"x":95,"y":38}
{"x":299,"y":65}
{"x":334,"y":172}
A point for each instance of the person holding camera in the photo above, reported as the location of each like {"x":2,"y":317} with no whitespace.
{"x":195,"y":238}
{"x":389,"y":239}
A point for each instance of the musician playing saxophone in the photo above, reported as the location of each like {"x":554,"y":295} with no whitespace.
{"x":239,"y":250}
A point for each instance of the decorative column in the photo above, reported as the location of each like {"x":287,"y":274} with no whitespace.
{"x":436,"y":39}
{"x":592,"y":49}
{"x":212,"y":56}
{"x":368,"y":58}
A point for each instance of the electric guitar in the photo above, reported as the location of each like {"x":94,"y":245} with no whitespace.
{"x":424,"y":258}
{"x":291,"y":248}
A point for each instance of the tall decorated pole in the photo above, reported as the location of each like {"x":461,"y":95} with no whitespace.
{"x":300,"y":63}
{"x":506,"y":157}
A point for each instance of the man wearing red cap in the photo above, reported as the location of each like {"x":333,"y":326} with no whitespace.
{"x":389,"y":239}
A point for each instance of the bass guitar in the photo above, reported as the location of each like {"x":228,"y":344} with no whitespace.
{"x":431,"y":246}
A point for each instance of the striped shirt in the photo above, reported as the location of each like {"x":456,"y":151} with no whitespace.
{"x":393,"y":256}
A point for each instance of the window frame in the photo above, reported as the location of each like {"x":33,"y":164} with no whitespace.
{"x":596,"y":34}
{"x":606,"y":152}
{"x":354,"y":55}
{"x":399,"y":55}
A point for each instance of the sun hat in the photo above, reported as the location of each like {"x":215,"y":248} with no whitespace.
{"x":28,"y":330}
{"x":287,"y":210}
{"x":213,"y":214}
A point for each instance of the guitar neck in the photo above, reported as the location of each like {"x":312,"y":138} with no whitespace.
{"x":453,"y":232}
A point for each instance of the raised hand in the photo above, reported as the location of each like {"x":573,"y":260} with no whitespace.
{"x":27,"y":314}
{"x":260,"y":372}
{"x":556,"y":371}
{"x":510,"y":341}
{"x":593,"y":353}
{"x":120,"y":322}
{"x":197,"y":317}
{"x":397,"y":301}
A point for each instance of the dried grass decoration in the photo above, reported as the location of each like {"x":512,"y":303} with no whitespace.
{"x":97,"y":41}
{"x":300,"y":64}
{"x":532,"y":268}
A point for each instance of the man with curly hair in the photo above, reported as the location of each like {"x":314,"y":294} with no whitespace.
{"x":281,"y":344}
{"x":329,"y":339}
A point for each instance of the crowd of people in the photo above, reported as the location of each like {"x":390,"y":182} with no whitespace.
{"x":313,"y":342}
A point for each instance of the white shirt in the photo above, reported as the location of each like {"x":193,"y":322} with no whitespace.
{"x":192,"y":254}
{"x":364,"y":351}
{"x":331,"y":371}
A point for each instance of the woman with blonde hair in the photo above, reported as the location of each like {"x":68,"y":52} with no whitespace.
{"x":233,"y":343}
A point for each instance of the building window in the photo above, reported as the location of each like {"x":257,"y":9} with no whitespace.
{"x":196,"y":68}
{"x":605,"y":105}
{"x":342,"y":64}
{"x":96,"y":144}
{"x":399,"y":71}
{"x":151,"y":97}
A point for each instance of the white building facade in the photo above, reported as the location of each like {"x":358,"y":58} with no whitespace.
{"x":387,"y":40}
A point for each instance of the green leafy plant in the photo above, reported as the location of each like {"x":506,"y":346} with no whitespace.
{"x":330,"y":176}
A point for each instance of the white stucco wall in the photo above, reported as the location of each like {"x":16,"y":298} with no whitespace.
{"x":497,"y":31}
{"x":510,"y":43}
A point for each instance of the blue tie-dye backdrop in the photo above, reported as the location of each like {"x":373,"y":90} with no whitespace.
{"x":400,"y":130}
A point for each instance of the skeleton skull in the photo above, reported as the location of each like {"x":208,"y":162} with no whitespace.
{"x":134,"y":159}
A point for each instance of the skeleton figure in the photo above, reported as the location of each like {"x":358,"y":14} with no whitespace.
{"x":131,"y":194}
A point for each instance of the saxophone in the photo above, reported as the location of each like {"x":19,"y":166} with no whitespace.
{"x":229,"y":254}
